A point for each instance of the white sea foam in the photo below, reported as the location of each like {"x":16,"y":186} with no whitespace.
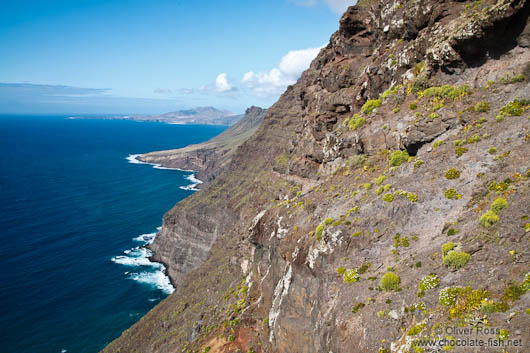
{"x":139,"y":257}
{"x":133,"y":261}
{"x":157,"y":279}
{"x":146,"y":238}
{"x":194,"y":183}
{"x":133,"y":158}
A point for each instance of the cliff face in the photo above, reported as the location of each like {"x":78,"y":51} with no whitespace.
{"x":210,"y":158}
{"x":384,"y":198}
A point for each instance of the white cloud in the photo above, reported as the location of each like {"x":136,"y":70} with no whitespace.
{"x":339,"y":6}
{"x":287,"y":73}
{"x":221,"y":83}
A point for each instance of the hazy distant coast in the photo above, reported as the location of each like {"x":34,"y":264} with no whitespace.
{"x":200,"y":115}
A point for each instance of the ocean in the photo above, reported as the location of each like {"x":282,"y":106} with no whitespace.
{"x":75,"y":211}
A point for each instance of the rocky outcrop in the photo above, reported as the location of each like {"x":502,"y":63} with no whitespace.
{"x":383,"y":199}
{"x":210,"y":158}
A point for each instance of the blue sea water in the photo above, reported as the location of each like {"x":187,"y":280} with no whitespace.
{"x":72,"y":275}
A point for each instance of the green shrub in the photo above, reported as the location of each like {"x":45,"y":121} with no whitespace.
{"x":318,"y":231}
{"x":231,"y":338}
{"x":341,"y":270}
{"x":452,"y":232}
{"x":397,"y":158}
{"x":447,"y":247}
{"x":448,"y":296}
{"x":388,"y":197}
{"x":428,"y":282}
{"x":363,"y":268}
{"x":380,"y":179}
{"x":370,"y":105}
{"x":413,"y":106}
{"x":460,"y":151}
{"x":456,"y":259}
{"x":357,"y":307}
{"x":482,"y":107}
{"x":447,"y":91}
{"x":452,"y":174}
{"x":451,"y":194}
{"x":433,"y":116}
{"x":328,"y":221}
{"x":492,"y":150}
{"x":498,"y":205}
{"x":488,"y":219}
{"x":514,"y":108}
{"x":350,"y":276}
{"x":390,"y":282}
{"x":356,"y":122}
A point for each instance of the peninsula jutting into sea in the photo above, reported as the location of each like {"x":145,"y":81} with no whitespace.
{"x":379,"y":202}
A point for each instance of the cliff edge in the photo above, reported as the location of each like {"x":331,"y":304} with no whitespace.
{"x":381,"y":206}
{"x":210,"y":158}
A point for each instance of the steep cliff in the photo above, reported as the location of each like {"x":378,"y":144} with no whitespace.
{"x":384,"y":198}
{"x":210,"y":158}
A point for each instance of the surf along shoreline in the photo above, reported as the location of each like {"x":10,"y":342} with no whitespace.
{"x":142,"y":255}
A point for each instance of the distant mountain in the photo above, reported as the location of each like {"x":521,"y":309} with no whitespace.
{"x":200,"y":115}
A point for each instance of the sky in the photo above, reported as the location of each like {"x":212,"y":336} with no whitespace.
{"x":155,"y":56}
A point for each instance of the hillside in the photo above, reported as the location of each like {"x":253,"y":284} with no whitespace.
{"x":210,"y":158}
{"x":383,"y":199}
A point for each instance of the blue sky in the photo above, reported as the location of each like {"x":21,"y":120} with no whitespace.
{"x":153,"y":56}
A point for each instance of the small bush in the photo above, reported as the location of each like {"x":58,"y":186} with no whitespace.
{"x":388,"y":197}
{"x":448,"y":296}
{"x":380,"y":179}
{"x":488,"y":219}
{"x":350,"y":276}
{"x":428,"y":282}
{"x":456,"y":259}
{"x":357,"y":307}
{"x":452,"y":174}
{"x":341,"y":270}
{"x":370,"y":106}
{"x":328,"y":221}
{"x":397,"y":158}
{"x":318,"y":231}
{"x":460,"y":151}
{"x":514,"y":108}
{"x":451,"y":194}
{"x":492,"y":150}
{"x":413,"y":106}
{"x":452,"y":232}
{"x":447,"y":247}
{"x":416,"y":330}
{"x":447,"y":91}
{"x":498,"y":205}
{"x":482,"y":107}
{"x":390,"y":282}
{"x":356,"y":122}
